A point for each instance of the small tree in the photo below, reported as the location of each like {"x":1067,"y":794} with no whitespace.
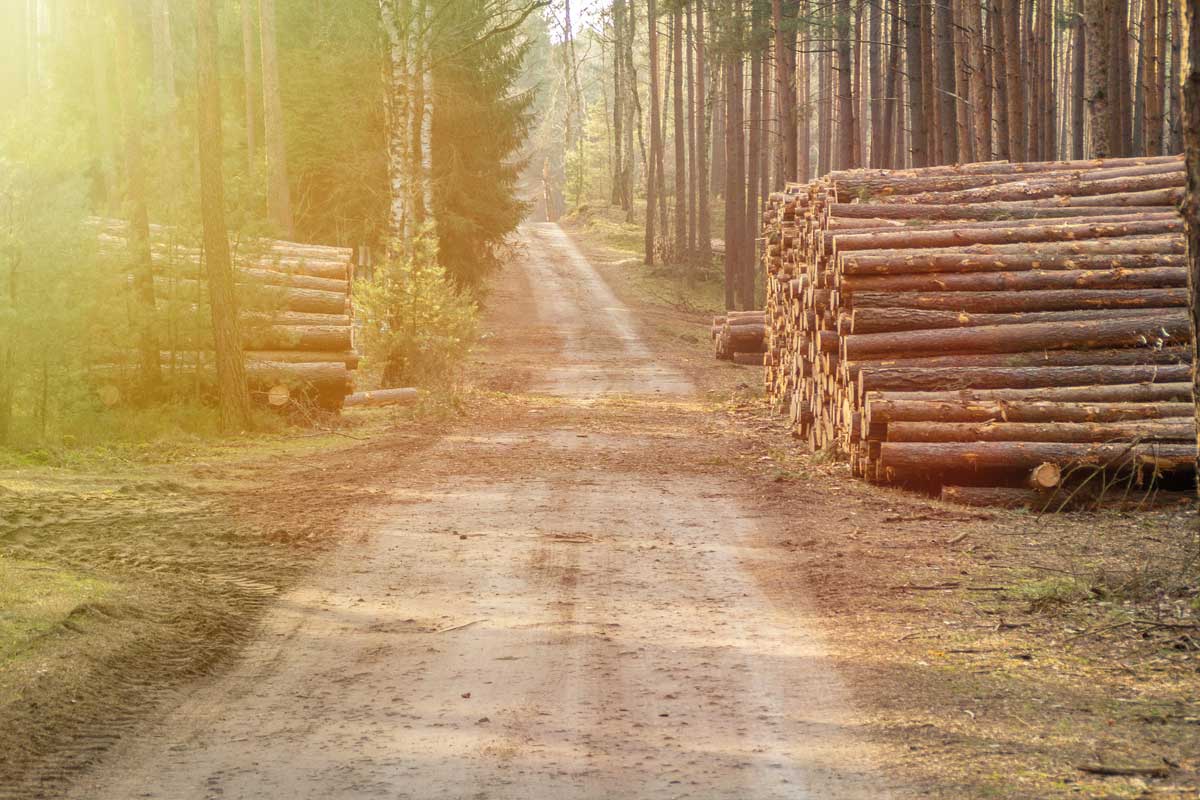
{"x":417,"y":326}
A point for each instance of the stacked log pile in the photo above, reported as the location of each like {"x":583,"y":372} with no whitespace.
{"x":966,"y":325}
{"x":740,"y":337}
{"x":296,"y":314}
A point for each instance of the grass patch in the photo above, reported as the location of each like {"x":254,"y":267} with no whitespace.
{"x":36,"y":598}
{"x":1051,"y":594}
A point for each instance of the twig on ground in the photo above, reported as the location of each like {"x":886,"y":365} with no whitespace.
{"x":1106,"y":769}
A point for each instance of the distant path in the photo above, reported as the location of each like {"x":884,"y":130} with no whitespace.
{"x":560,"y":604}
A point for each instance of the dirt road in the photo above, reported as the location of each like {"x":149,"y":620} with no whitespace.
{"x":559,"y":602}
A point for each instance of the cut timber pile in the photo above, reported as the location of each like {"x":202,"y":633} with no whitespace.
{"x":984,"y":325}
{"x":740,"y":337}
{"x":296,"y":314}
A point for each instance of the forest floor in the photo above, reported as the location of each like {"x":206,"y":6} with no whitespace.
{"x":612,"y":574}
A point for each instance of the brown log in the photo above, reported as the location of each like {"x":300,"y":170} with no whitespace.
{"x":885,"y":412}
{"x":1011,"y":302}
{"x":298,"y":337}
{"x":254,"y":295}
{"x":1158,"y":430}
{"x":963,"y":236}
{"x":1067,"y":207}
{"x":1116,"y":393}
{"x":912,"y":459}
{"x":1049,"y":358}
{"x":924,"y":379}
{"x":1033,"y":280}
{"x":1121,"y":253}
{"x":1038,"y":189}
{"x":1172,"y":326}
{"x":349,"y":358}
{"x":884,"y":320}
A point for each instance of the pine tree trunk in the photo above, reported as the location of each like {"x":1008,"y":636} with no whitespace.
{"x":754,"y":137}
{"x":1078,"y":78}
{"x":279,"y":203}
{"x":784,"y":14}
{"x":1176,"y":137}
{"x":846,"y":155}
{"x":929,"y":82}
{"x":720,"y":117}
{"x":704,"y":221}
{"x":996,"y":34}
{"x":888,"y":152}
{"x":233,"y":397}
{"x":916,"y":90}
{"x":1143,"y":101}
{"x":680,"y":137}
{"x":1098,"y":17}
{"x":1014,"y":81}
{"x":877,"y":93}
{"x":735,"y":179}
{"x":981,"y":107}
{"x":693,"y":170}
{"x":1190,"y":95}
{"x":617,"y":196}
{"x":250,"y":82}
{"x":1155,"y":138}
{"x":825,"y":93}
{"x":804,"y":113}
{"x":141,"y":266}
{"x":655,"y":134}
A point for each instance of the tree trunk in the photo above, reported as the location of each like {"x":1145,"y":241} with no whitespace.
{"x":693,"y":169}
{"x":655,"y":135}
{"x":996,"y":34}
{"x":279,"y":203}
{"x":784,"y":15}
{"x":617,"y":196}
{"x":141,"y":266}
{"x":249,"y":59}
{"x":846,"y":122}
{"x":704,"y":221}
{"x":735,"y":183}
{"x":232,"y":394}
{"x":681,"y":249}
{"x":804,"y":116}
{"x":1190,"y":91}
{"x":916,"y":90}
{"x":980,"y":106}
{"x":1014,"y":81}
{"x":1078,"y":77}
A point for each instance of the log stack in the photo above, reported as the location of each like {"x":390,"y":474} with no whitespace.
{"x":965,"y":325}
{"x":296,"y":314}
{"x":740,"y":337}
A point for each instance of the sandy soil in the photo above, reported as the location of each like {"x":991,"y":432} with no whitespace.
{"x":562,"y":600}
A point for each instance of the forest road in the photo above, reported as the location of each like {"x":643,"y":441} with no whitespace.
{"x":557,"y":604}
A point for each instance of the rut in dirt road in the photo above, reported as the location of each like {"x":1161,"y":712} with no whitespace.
{"x":559,"y":604}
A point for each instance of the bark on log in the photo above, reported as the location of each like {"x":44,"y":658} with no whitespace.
{"x":261,"y":296}
{"x":1012,"y":302}
{"x":1116,"y":393}
{"x":1064,"y":500}
{"x":911,"y":459}
{"x":1121,"y":253}
{"x":906,"y":239}
{"x":1172,"y":327}
{"x":885,"y":412}
{"x":1182,"y":429}
{"x":885,"y":320}
{"x":1033,"y":280}
{"x":1050,"y":358}
{"x":923,"y":379}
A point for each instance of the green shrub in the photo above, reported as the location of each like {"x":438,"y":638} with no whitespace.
{"x":417,"y":326}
